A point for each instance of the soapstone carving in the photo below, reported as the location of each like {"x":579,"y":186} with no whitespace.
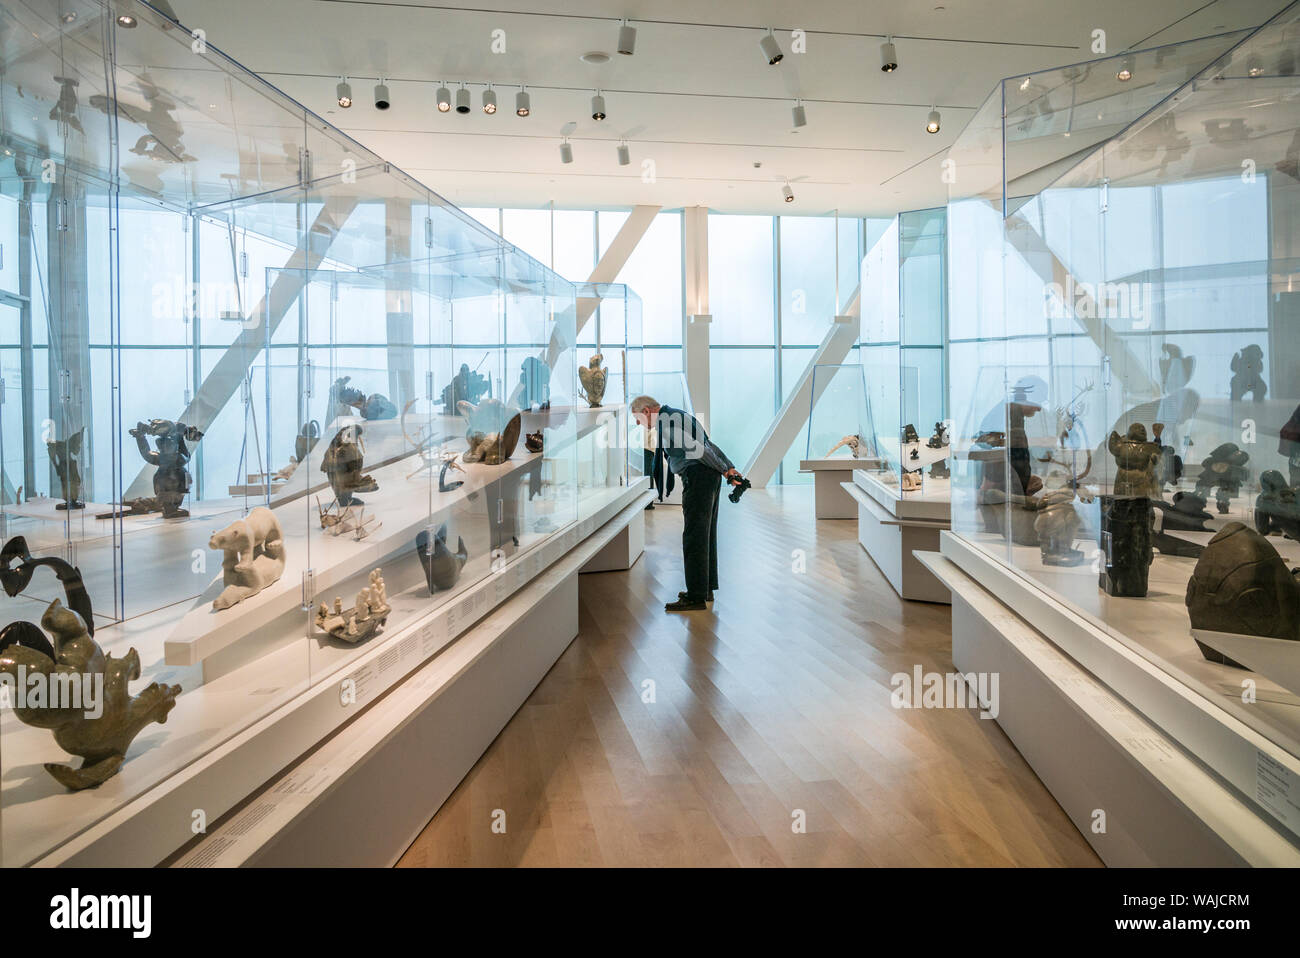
{"x":1288,"y":444}
{"x":910,"y":481}
{"x":133,"y":507}
{"x":939,"y":438}
{"x":171,"y":480}
{"x":441,"y":565}
{"x":1247,"y":375}
{"x":18,"y":566}
{"x":1223,"y":472}
{"x":79,"y":663}
{"x":449,"y":462}
{"x":1241,"y":585}
{"x":533,"y":441}
{"x":352,"y":519}
{"x":65,"y":457}
{"x":1135,"y":461}
{"x":367,"y":617}
{"x":1127,"y":547}
{"x":592,"y":377}
{"x":492,"y":431}
{"x":343,"y":463}
{"x":253,"y":557}
{"x":1277,"y":507}
{"x":910,"y":434}
{"x":856,"y":444}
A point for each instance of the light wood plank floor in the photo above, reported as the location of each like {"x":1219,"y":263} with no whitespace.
{"x":775,"y":701}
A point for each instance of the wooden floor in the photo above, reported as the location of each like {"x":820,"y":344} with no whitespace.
{"x":775,"y":701}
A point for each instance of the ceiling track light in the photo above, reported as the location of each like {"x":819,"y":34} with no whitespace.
{"x":888,"y":56}
{"x":462,"y":100}
{"x":126,"y":21}
{"x":771,"y":49}
{"x":1125,"y":72}
{"x":382,"y":99}
{"x":444,"y":99}
{"x":798,"y":114}
{"x":344,"y":92}
{"x":598,"y":106}
{"x":626,"y":39}
{"x":624,"y":155}
{"x":489,"y":101}
{"x":932,"y":121}
{"x":523,"y":103}
{"x":566,"y":151}
{"x":787,"y":192}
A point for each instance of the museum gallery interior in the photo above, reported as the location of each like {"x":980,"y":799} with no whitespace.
{"x":344,"y":345}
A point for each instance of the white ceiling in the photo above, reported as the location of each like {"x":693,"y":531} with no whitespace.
{"x":697,"y":98}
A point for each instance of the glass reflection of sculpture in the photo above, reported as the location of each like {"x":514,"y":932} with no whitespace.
{"x":171,"y":481}
{"x":465,"y":386}
{"x":1247,"y":375}
{"x":65,"y":456}
{"x":534,"y":384}
{"x":345,"y":399}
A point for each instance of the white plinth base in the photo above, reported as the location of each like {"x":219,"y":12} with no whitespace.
{"x":623,"y":550}
{"x":1131,"y":790}
{"x":892,"y":541}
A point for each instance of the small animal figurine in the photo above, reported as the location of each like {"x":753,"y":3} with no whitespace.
{"x":492,"y":431}
{"x":441,"y":565}
{"x":65,"y":456}
{"x":171,"y":481}
{"x":1247,"y":375}
{"x":855,"y":444}
{"x":253,"y":557}
{"x":1277,"y":507}
{"x":1223,"y":472}
{"x":342,"y":464}
{"x":910,"y":434}
{"x":1135,"y":460}
{"x":939,"y":438}
{"x":367,"y":617}
{"x":910,"y":482}
{"x":102,"y":718}
{"x":533,"y":441}
{"x":592,"y":378}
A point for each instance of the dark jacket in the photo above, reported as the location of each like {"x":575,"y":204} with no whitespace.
{"x":684,"y":443}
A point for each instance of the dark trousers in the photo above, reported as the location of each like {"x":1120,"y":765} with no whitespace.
{"x":701,"y":490}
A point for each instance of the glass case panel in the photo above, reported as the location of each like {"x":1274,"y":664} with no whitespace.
{"x":840,"y":424}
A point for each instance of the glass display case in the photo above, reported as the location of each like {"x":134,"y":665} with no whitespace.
{"x":1124,"y":377}
{"x":266,"y":402}
{"x":840,"y":425}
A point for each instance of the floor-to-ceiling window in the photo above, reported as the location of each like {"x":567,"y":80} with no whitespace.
{"x":923,"y":319}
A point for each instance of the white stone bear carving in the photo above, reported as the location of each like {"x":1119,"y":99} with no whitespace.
{"x":254,"y":556}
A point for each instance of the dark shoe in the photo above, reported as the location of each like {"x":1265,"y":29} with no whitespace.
{"x":649,"y":506}
{"x":682,"y":597}
{"x":685,"y":605}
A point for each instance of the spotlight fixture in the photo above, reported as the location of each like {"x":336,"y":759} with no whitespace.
{"x":523,"y":103}
{"x":1125,"y":70}
{"x":382,"y":101}
{"x":799,"y":114}
{"x":489,"y":101}
{"x":771,"y":49}
{"x":624,"y":155}
{"x":626,"y":39}
{"x":932,"y":122}
{"x":598,"y":107}
{"x":444,"y":99}
{"x":126,"y":21}
{"x":888,"y":56}
{"x":787,"y":192}
{"x":69,"y":17}
{"x":566,"y":151}
{"x":1253,"y":67}
{"x":344,"y":92}
{"x":1024,"y":84}
{"x":462,"y":101}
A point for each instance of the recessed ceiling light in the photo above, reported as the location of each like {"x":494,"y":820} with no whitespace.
{"x":69,"y":17}
{"x":594,"y":56}
{"x":127,"y":21}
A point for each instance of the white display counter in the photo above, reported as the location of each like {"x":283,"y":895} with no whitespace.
{"x":893,"y":525}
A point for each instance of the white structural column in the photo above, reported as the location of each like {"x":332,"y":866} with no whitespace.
{"x":223,"y":382}
{"x":695,"y":332}
{"x":785,"y":427}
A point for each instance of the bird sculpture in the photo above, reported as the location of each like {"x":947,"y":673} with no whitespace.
{"x":592,"y":377}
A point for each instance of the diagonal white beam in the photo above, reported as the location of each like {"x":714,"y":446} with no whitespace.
{"x":783,"y":431}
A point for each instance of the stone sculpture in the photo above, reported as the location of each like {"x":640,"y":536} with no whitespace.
{"x":533,"y":441}
{"x":939,"y":438}
{"x":18,"y":566}
{"x":910,"y":434}
{"x":253,"y":557}
{"x":1127,"y":516}
{"x":1223,"y":472}
{"x":65,"y":457}
{"x":343,"y":463}
{"x":1277,"y":507}
{"x":1169,"y":467}
{"x":443,"y":484}
{"x":1288,"y":444}
{"x":492,"y":431}
{"x":856,"y":445}
{"x":1135,"y":460}
{"x":592,"y":378}
{"x":1247,"y":375}
{"x":89,"y":708}
{"x":465,"y":386}
{"x":367,"y":617}
{"x":171,"y":481}
{"x":338,"y":520}
{"x":1241,"y":585}
{"x":441,"y":565}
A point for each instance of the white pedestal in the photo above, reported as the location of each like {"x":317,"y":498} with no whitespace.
{"x":623,"y":550}
{"x":829,"y":475}
{"x":893,"y":526}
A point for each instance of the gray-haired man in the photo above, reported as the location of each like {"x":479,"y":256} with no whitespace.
{"x":702,"y":467}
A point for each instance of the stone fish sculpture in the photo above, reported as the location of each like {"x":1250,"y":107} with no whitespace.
{"x":441,"y":565}
{"x":253,"y":558}
{"x":171,"y":482}
{"x":100,"y":741}
{"x":492,"y":431}
{"x":592,"y":378}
